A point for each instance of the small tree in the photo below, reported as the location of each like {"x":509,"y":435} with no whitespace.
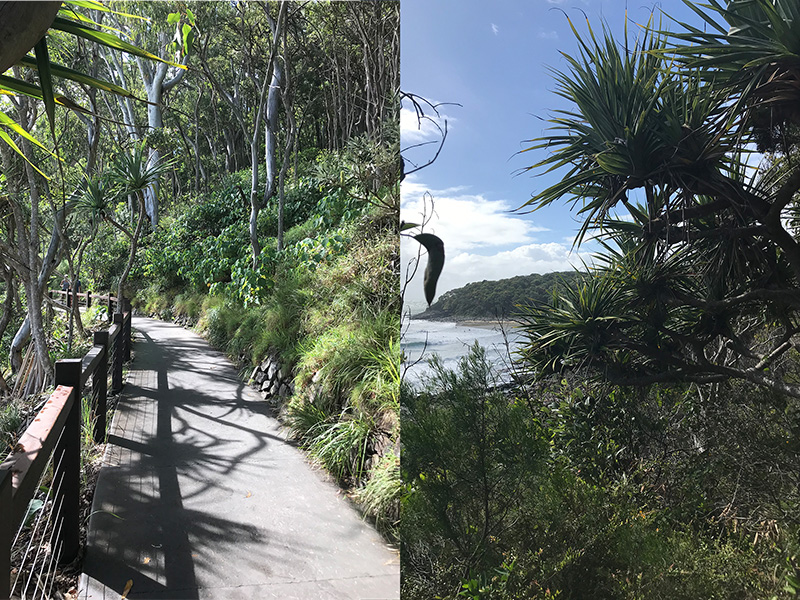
{"x":699,"y":278}
{"x":133,"y":173}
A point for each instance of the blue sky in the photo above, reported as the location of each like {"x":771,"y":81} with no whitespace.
{"x":494,"y":59}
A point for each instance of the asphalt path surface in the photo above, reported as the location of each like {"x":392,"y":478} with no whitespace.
{"x":200,"y":496}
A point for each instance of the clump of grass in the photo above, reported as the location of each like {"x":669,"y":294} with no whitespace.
{"x":304,"y":418}
{"x":341,"y":446}
{"x":380,"y":497}
{"x":188,"y":304}
{"x":10,"y":421}
{"x":90,"y":452}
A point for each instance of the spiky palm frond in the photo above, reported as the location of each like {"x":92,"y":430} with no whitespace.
{"x":577,"y":328}
{"x":134,"y":171}
{"x":755,"y":49}
{"x":96,"y":198}
{"x":638,"y":123}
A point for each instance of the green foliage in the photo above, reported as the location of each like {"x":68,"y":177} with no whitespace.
{"x":467,"y":451}
{"x":617,"y":494}
{"x":200,"y":245}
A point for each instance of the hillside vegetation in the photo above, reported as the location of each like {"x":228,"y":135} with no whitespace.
{"x":501,"y":299}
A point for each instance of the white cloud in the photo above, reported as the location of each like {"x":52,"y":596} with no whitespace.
{"x":483,"y":240}
{"x":547,"y":35}
{"x":468,"y":221}
{"x":416,"y":130}
{"x":495,"y":29}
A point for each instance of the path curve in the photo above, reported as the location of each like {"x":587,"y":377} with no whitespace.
{"x":201,"y":497}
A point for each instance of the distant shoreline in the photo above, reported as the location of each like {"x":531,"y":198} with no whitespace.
{"x":483,"y":323}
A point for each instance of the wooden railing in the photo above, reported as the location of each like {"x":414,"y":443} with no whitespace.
{"x":56,"y":431}
{"x":88,"y":297}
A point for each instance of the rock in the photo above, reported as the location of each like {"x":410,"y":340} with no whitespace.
{"x":284,"y":391}
{"x":260,"y":376}
{"x":379,"y":444}
{"x":264,"y":366}
{"x":265,"y":386}
{"x":273,"y":370}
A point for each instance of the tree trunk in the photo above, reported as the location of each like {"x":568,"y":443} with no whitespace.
{"x":132,"y":256}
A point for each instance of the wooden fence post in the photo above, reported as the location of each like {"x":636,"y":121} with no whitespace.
{"x":67,"y":463}
{"x":100,"y":388}
{"x":126,"y":326}
{"x":6,"y":534}
{"x":116,"y":368}
{"x":88,"y":299}
{"x":110,"y":312}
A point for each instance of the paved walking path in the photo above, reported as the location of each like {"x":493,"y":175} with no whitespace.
{"x":200,"y":496}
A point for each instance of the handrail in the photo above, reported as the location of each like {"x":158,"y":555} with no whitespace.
{"x":110,"y":301}
{"x":56,"y":431}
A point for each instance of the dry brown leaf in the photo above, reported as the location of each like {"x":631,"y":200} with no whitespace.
{"x":146,"y":560}
{"x":248,"y":495}
{"x":127,"y":589}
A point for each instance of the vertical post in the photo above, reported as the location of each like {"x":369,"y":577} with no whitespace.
{"x":126,"y":328}
{"x":110,"y":312}
{"x":6,"y":535}
{"x":100,"y":388}
{"x":69,"y":299}
{"x":116,"y":368}
{"x":67,"y":456}
{"x":88,"y":299}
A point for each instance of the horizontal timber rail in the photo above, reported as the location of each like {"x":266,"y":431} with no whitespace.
{"x":56,"y":432}
{"x":88,"y":297}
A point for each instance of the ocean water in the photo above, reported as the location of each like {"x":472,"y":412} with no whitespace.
{"x":451,"y":341}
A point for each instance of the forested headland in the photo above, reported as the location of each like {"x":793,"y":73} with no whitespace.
{"x":233,"y":166}
{"x":502,"y":299}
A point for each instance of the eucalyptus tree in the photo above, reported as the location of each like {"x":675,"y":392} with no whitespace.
{"x":699,"y":278}
{"x":173,"y":31}
{"x":257,"y":34}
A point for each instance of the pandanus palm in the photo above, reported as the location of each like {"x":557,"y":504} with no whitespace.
{"x":132,"y":173}
{"x":701,"y":276}
{"x":755,"y":52}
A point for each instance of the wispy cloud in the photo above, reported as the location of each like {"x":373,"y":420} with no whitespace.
{"x":495,"y":29}
{"x":483,"y":240}
{"x":468,"y":220}
{"x":547,"y":35}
